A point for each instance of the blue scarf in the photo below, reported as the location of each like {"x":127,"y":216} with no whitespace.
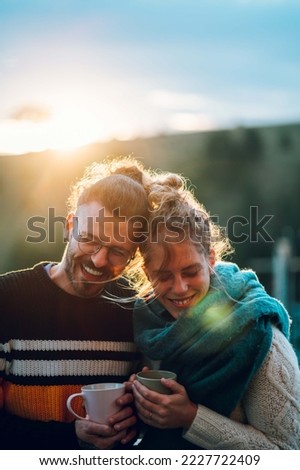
{"x":216,"y":347}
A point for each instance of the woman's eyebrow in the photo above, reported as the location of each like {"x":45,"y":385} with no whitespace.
{"x":186,"y":268}
{"x":192,"y":266}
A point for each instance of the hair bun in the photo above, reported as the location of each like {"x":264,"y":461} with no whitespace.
{"x":170,"y":181}
{"x":166,"y":189}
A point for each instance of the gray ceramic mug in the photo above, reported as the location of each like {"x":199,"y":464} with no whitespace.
{"x":151,"y":380}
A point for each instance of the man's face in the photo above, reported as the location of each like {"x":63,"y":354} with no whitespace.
{"x":99,"y":249}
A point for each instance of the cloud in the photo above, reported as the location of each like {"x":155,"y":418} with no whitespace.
{"x":173,"y":100}
{"x":31,"y":113}
{"x":187,"y":122}
{"x":9,"y":63}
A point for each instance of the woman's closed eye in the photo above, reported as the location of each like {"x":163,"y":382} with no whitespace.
{"x":192,"y":273}
{"x":166,"y":276}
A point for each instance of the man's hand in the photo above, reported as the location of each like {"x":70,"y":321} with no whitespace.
{"x":101,"y":436}
{"x":120,"y":427}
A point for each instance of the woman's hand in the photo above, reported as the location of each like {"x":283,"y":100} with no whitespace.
{"x":164,"y":411}
{"x":132,"y":378}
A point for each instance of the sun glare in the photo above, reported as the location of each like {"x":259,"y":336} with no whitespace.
{"x":69,"y":130}
{"x":63,"y":131}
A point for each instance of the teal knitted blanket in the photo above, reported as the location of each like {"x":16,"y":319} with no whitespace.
{"x":217,"y":347}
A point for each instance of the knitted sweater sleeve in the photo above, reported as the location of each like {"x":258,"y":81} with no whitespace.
{"x":271,"y":406}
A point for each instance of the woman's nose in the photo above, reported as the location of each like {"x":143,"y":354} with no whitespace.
{"x":180,"y":285}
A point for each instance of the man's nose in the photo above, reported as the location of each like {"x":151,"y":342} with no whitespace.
{"x":101,"y":257}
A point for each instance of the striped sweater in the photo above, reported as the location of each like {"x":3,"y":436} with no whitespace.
{"x":52,"y":343}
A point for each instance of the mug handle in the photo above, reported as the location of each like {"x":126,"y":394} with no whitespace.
{"x":69,"y":406}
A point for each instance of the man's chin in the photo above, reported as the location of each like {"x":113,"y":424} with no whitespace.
{"x":88,"y":290}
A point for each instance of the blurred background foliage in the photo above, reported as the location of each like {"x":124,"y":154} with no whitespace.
{"x":231,"y":171}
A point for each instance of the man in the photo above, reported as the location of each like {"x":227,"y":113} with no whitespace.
{"x":63,"y":324}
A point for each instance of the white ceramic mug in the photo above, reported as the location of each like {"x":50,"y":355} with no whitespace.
{"x":151,"y":379}
{"x":99,"y":400}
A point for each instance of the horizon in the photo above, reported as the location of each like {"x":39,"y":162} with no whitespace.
{"x":80,"y":148}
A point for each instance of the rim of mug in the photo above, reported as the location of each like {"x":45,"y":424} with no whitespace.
{"x":173,"y":375}
{"x":102,"y":386}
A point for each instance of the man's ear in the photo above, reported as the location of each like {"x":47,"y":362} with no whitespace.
{"x":69,"y":225}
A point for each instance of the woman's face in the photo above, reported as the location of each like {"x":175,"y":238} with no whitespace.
{"x":183,"y":280}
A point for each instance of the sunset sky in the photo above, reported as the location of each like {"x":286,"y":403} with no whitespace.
{"x":78,"y":71}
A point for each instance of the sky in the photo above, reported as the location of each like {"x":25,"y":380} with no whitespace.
{"x":78,"y":71}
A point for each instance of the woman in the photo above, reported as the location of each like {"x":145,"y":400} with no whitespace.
{"x":238,"y":381}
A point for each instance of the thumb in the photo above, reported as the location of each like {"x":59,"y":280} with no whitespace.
{"x":174,"y":386}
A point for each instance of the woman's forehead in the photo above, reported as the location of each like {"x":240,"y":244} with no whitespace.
{"x":171,"y":254}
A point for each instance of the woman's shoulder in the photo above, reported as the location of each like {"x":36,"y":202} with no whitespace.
{"x":282,"y":348}
{"x":280,"y":369}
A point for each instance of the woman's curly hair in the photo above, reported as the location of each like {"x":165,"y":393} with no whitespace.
{"x":176,"y":215}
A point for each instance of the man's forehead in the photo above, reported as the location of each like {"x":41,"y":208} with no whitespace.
{"x":95,"y":219}
{"x":100,"y":212}
{"x":93,"y":209}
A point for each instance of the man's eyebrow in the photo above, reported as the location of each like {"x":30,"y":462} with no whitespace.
{"x":86,"y":234}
